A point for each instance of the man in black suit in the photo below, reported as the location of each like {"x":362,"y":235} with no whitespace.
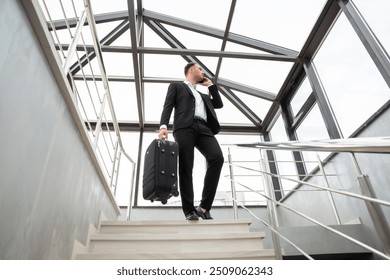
{"x":195,"y":124}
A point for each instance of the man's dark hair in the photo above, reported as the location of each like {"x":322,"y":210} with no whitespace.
{"x":188,"y":66}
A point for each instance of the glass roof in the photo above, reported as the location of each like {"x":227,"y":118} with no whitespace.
{"x":287,"y":29}
{"x":256,"y":52}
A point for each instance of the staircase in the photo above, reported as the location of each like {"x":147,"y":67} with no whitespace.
{"x":209,"y":239}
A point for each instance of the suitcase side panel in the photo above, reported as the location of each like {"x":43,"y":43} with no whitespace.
{"x":150,"y":169}
{"x":160,"y":171}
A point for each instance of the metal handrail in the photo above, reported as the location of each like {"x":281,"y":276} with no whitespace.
{"x":98,"y":52}
{"x":273,"y":230}
{"x":353,"y":145}
{"x":373,"y":250}
{"x":351,"y":194}
{"x":362,"y":145}
{"x":108,"y":154}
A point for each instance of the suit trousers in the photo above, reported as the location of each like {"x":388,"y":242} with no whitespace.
{"x":199,"y":136}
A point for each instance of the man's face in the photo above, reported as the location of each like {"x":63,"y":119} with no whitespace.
{"x":197,"y":72}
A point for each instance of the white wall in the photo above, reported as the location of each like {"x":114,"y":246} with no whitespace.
{"x":49,"y":188}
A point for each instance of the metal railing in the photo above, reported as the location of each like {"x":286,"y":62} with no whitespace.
{"x":92,"y":99}
{"x":367,"y":194}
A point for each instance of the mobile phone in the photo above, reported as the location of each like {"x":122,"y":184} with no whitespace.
{"x":202,"y":81}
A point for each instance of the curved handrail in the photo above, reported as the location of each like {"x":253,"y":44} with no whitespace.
{"x":371,"y":249}
{"x":273,"y":230}
{"x":351,"y":194}
{"x":350,"y":145}
{"x":107,"y":157}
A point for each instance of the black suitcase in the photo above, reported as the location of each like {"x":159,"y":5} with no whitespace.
{"x":160,"y":171}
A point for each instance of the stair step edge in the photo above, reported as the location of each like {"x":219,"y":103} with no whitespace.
{"x":264,"y":253}
{"x":174,"y":236}
{"x":175,"y":222}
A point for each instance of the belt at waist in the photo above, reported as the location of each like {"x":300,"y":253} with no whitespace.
{"x":199,"y":119}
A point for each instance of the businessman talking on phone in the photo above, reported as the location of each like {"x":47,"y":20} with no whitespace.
{"x":194,"y":126}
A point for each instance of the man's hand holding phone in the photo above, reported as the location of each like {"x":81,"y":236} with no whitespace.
{"x":205,"y":82}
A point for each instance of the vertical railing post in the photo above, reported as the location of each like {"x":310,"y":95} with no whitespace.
{"x":114,"y":165}
{"x":117,"y":174}
{"x":330,"y":196}
{"x":375,"y":210}
{"x":271,"y":206}
{"x":73,"y":45}
{"x":233,"y":185}
{"x":130,"y":206}
{"x":99,"y":122}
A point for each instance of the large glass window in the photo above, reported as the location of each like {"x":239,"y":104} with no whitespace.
{"x":352,"y":82}
{"x":264,"y":75}
{"x":301,"y":96}
{"x":312,"y":128}
{"x":376,"y":14}
{"x":155,"y":96}
{"x":125,"y":176}
{"x":284,"y":159}
{"x":288,"y":26}
{"x":246,"y":167}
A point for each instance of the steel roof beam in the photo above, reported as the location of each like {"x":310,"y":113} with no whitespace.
{"x":241,"y":106}
{"x":305,"y":109}
{"x":225,"y":37}
{"x":129,"y":79}
{"x":101,"y":18}
{"x":217,"y":33}
{"x":133,"y":126}
{"x":193,"y":52}
{"x":134,"y":32}
{"x":324,"y":105}
{"x":108,"y":39}
{"x":247,"y":89}
{"x":220,"y":54}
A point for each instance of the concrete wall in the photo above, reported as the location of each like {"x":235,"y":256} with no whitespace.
{"x":49,"y":188}
{"x":316,"y":204}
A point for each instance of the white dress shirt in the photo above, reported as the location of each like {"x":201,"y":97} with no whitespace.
{"x":200,"y":109}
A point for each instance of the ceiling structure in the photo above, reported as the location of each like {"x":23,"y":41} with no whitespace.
{"x":139,"y":20}
{"x":259,"y":53}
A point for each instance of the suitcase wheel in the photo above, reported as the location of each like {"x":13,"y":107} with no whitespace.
{"x":163,"y":201}
{"x":175,"y":193}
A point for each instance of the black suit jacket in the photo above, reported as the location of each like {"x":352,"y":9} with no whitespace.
{"x":180,"y":97}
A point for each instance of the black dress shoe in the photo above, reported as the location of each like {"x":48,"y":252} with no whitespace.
{"x":204,"y":215}
{"x":192,"y":216}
